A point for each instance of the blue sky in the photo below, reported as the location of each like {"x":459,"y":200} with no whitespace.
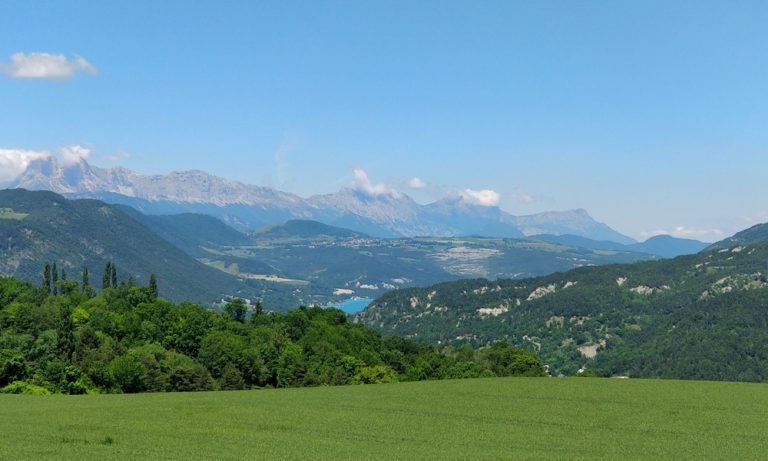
{"x":653,"y":116}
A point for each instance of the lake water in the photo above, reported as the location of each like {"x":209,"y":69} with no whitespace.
{"x":353,"y":305}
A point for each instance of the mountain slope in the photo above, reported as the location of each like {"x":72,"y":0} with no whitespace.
{"x":667,"y":246}
{"x":755,"y":234}
{"x":304,"y":229}
{"x":575,"y":222}
{"x":89,"y":232}
{"x":190,"y":232}
{"x":700,"y":316}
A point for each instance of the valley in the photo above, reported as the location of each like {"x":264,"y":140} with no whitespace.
{"x":322,"y":264}
{"x":505,"y":230}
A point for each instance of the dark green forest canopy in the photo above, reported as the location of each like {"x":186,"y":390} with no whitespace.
{"x":702,"y":316}
{"x":128,"y":340}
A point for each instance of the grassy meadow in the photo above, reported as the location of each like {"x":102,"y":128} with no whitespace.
{"x":498,"y":418}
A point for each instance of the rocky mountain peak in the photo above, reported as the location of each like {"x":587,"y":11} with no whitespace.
{"x":371,"y":210}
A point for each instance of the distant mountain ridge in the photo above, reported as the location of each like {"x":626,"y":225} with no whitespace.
{"x":248,"y":207}
{"x":664,"y":246}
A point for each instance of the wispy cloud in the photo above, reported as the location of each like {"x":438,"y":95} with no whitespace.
{"x":482,"y":197}
{"x":521,"y":196}
{"x":73,"y":154}
{"x":416,"y":183}
{"x":287,"y":146}
{"x":116,"y":157}
{"x":364,"y":184}
{"x":13,"y":162}
{"x":46,"y":66}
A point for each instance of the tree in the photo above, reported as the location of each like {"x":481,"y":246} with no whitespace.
{"x":47,"y":277}
{"x":503,"y":359}
{"x":377,"y":374}
{"x":66,"y":336}
{"x":114,"y":275}
{"x":231,"y":378}
{"x":237,"y":309}
{"x":107,"y":274}
{"x":86,"y":284}
{"x":54,"y":279}
{"x":129,"y":373}
{"x":13,"y":367}
{"x":153,"y":293}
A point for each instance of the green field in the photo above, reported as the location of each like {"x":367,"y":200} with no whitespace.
{"x":499,"y":418}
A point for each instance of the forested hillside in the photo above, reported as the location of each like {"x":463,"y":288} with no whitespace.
{"x":703,"y":316}
{"x":755,"y":234}
{"x":128,"y":340}
{"x":193,"y":233}
{"x":39,"y":227}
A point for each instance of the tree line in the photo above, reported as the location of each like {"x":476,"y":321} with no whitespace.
{"x":63,"y":337}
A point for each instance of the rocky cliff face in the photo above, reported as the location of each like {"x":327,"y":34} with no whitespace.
{"x":248,"y":206}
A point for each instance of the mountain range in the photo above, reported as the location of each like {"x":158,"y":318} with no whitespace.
{"x":197,"y":257}
{"x":248,"y":207}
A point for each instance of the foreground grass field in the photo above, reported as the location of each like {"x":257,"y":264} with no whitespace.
{"x":512,"y":418}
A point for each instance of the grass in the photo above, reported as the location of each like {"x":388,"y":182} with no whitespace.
{"x":517,"y":418}
{"x":8,"y":213}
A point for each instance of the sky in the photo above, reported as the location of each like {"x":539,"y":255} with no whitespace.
{"x":652,"y":116}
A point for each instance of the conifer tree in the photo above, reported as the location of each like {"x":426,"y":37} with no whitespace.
{"x":86,"y":285}
{"x":47,"y":277}
{"x":114,"y":275}
{"x":153,"y":293}
{"x":55,"y":279}
{"x":107,"y":275}
{"x":66,"y":338}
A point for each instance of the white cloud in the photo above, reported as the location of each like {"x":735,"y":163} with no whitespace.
{"x":483,"y":197}
{"x":364,"y":184}
{"x":73,"y":154}
{"x":415,"y":183}
{"x":45,"y":66}
{"x":13,"y":162}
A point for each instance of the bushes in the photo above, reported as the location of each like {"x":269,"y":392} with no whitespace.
{"x":23,"y":387}
{"x":506,"y":360}
{"x":13,"y":367}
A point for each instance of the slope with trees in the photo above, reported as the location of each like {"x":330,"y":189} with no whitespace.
{"x":702,"y":316}
{"x":77,"y":233}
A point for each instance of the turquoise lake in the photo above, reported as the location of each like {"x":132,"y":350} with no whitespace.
{"x":353,"y":305}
